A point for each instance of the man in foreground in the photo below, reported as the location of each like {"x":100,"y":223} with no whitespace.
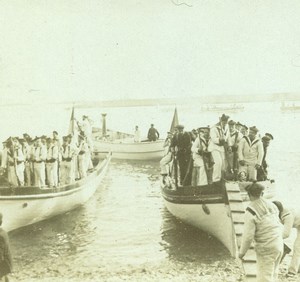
{"x":262,"y":226}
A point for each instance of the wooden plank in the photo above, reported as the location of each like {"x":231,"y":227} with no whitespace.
{"x":236,"y":206}
{"x":239,"y":228}
{"x":234,"y":197}
{"x":250,"y":255}
{"x":238,"y":217}
{"x":249,"y":268}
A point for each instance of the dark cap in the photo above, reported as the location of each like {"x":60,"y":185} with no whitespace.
{"x":231,"y":122}
{"x":55,"y":132}
{"x":224,"y":117}
{"x":152,"y":124}
{"x":270,"y":136}
{"x":279,"y":206}
{"x":266,"y":138}
{"x":245,"y":126}
{"x":254,"y":129}
{"x":255,"y":189}
{"x":179,"y":126}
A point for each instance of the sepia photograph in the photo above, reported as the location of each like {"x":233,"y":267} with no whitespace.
{"x":149,"y":140}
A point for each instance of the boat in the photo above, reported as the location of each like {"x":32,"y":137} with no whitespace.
{"x":289,"y":109}
{"x":217,"y":209}
{"x":22,"y":206}
{"x":123,"y":147}
{"x":232,"y":108}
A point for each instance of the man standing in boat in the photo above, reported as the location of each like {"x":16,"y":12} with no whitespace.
{"x":6,"y":264}
{"x":262,"y":225}
{"x":262,"y":172}
{"x":39,"y":158}
{"x":181,"y":148}
{"x":137,"y":134}
{"x":164,"y":162}
{"x":218,"y":135}
{"x":27,"y":150}
{"x":202,"y":166}
{"x":19,"y":160}
{"x":233,"y":140}
{"x":250,"y":152}
{"x":153,"y":134}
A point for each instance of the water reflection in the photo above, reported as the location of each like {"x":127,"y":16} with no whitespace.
{"x":184,"y":243}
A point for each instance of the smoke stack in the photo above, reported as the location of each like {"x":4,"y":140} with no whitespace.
{"x":103,"y":125}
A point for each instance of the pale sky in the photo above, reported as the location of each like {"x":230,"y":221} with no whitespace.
{"x":98,"y":50}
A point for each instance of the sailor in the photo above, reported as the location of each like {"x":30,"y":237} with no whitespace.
{"x":244,"y":130}
{"x":83,"y":160}
{"x":27,"y":151}
{"x":202,"y":167}
{"x":290,"y":218}
{"x":165,"y":161}
{"x":137,"y":134}
{"x":6,"y":265}
{"x":86,"y":127}
{"x":153,"y":134}
{"x":218,"y":135}
{"x":233,"y":140}
{"x":52,"y":162}
{"x":181,"y":147}
{"x":68,"y":152}
{"x":39,"y":157}
{"x":9,"y":162}
{"x":250,"y":153}
{"x":262,"y":172}
{"x":19,"y":161}
{"x":262,"y":226}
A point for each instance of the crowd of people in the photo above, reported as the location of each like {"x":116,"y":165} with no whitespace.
{"x":48,"y":161}
{"x":227,"y":149}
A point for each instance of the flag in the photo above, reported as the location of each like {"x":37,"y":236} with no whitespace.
{"x":174,"y":121}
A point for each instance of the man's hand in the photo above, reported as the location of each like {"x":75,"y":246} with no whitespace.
{"x":257,"y":166}
{"x":241,"y":256}
{"x":242,"y":162}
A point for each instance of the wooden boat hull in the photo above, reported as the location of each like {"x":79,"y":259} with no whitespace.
{"x":22,"y":210}
{"x":130,"y":150}
{"x":208,"y":210}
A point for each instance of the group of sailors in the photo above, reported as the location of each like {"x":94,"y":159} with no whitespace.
{"x":228,"y":149}
{"x":43,"y":160}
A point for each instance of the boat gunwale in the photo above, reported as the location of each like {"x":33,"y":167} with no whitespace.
{"x":68,"y":189}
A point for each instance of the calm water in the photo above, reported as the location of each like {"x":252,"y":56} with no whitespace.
{"x":124,"y":232}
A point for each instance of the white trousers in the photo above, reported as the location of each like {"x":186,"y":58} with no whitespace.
{"x":52,"y":174}
{"x":295,"y":262}
{"x":199,"y":176}
{"x":268,"y":265}
{"x":20,"y":173}
{"x":219,"y":166}
{"x":39,"y":174}
{"x":82,"y":165}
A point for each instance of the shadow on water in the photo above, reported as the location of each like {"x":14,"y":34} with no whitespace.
{"x":184,"y":243}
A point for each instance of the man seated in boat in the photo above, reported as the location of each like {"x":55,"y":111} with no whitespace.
{"x":233,"y":140}
{"x":181,"y":148}
{"x":262,"y":172}
{"x":250,"y":154}
{"x":218,"y":138}
{"x":153,"y":134}
{"x":202,"y":165}
{"x":39,"y":158}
